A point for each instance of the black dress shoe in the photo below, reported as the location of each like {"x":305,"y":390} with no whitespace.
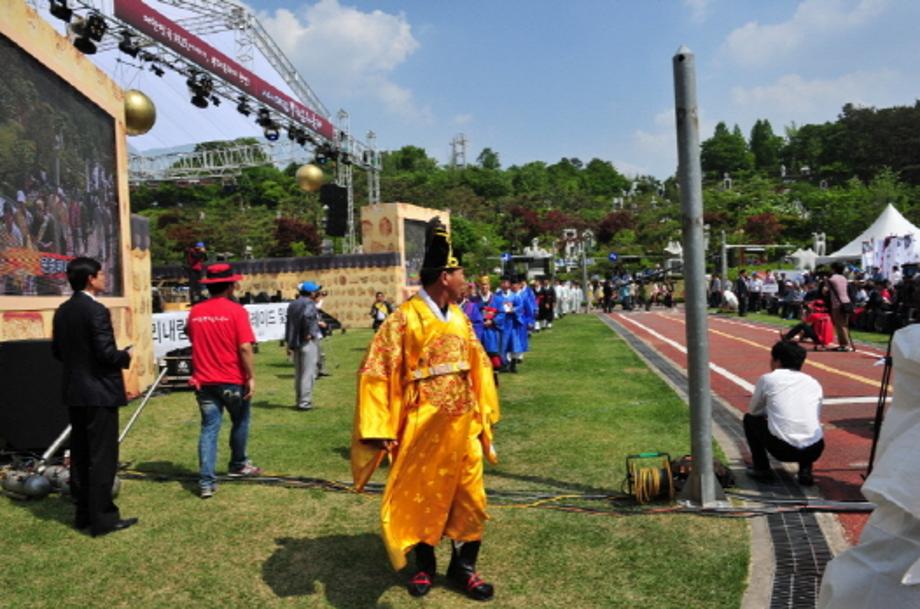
{"x":119,"y":525}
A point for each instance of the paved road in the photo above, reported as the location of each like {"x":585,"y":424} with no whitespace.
{"x":740,"y":354}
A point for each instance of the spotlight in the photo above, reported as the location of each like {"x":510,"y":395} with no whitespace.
{"x":78,"y":32}
{"x":127,"y":45}
{"x":243,"y":107}
{"x":84,"y":31}
{"x":215,"y":100}
{"x":96,"y":27}
{"x":324,"y":154}
{"x":201,"y":87}
{"x":60,"y":10}
{"x":271,"y":132}
{"x":157,"y":70}
{"x":264,"y":118}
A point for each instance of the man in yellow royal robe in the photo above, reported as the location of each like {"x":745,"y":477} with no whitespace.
{"x":426,"y":395}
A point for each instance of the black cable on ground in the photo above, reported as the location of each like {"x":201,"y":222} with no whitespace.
{"x":587,"y":503}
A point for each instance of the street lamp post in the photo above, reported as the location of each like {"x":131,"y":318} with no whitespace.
{"x":701,"y":489}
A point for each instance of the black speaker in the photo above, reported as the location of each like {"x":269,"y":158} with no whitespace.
{"x":32,"y":411}
{"x":335,"y":198}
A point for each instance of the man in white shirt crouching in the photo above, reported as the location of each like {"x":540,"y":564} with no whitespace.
{"x":784,"y":415}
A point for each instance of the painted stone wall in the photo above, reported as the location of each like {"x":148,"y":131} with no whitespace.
{"x":351,"y":290}
{"x":383,"y":230}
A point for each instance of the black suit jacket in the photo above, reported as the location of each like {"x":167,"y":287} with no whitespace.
{"x":85,"y":342}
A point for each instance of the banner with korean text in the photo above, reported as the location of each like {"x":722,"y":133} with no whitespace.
{"x":267,"y":321}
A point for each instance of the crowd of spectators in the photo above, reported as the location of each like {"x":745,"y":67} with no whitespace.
{"x":853,"y":298}
{"x":63,"y":220}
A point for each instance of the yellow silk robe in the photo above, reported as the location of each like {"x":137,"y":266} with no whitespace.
{"x":427,"y":384}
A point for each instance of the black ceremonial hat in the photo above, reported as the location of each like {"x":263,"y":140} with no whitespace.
{"x":439,"y":255}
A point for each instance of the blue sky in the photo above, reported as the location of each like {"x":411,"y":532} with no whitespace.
{"x":542,"y":80}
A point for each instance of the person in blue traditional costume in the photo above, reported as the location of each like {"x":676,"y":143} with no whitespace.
{"x":528,"y":315}
{"x":491,"y":333}
{"x":509,"y":305}
{"x":471,"y":310}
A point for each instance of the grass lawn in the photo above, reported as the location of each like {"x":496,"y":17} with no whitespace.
{"x":581,"y":403}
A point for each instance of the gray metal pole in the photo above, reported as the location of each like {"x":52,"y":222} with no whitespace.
{"x":140,"y":408}
{"x":701,"y":487}
{"x":724,"y":260}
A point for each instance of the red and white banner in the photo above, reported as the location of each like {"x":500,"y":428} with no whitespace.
{"x":163,"y":30}
{"x":33,"y":262}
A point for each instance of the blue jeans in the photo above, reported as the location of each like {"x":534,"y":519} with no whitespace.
{"x":212,"y":399}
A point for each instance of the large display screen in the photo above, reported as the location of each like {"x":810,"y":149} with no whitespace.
{"x":58,"y":180}
{"x":414,"y":232}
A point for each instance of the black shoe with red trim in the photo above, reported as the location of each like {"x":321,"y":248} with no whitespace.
{"x":420,"y":584}
{"x":462,"y":572}
{"x":475,"y":587}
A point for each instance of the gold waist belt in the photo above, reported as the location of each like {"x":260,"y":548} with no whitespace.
{"x":438,"y":370}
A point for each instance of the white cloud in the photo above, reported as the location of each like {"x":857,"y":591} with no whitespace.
{"x":463,"y":119}
{"x":699,"y":9}
{"x":345,"y":52}
{"x":631,"y":170}
{"x":755,"y":44}
{"x":791,"y":97}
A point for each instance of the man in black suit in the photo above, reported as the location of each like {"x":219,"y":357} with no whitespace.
{"x":93,"y":390}
{"x":742,"y":292}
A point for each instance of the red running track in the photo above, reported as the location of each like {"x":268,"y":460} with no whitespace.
{"x":740,"y":353}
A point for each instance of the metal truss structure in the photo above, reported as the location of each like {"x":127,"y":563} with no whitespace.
{"x":223,"y":164}
{"x":215,"y":16}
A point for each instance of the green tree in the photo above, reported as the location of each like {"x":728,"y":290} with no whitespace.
{"x":488,"y":159}
{"x":602,"y":179}
{"x":766,"y":147}
{"x":725,"y":152}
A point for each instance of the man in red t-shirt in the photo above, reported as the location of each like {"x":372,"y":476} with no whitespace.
{"x":222,"y":374}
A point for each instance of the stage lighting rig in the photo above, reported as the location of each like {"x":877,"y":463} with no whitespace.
{"x":157,"y":70}
{"x":264,"y":118}
{"x":86,"y":30}
{"x":270,"y":128}
{"x":297,"y":134}
{"x":243,"y":107}
{"x":271,"y":132}
{"x":127,"y":44}
{"x":215,"y":100}
{"x":201,"y":87}
{"x":60,"y":10}
{"x":323,"y":154}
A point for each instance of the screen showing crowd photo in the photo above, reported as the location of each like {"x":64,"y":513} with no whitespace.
{"x":414,"y":231}
{"x":58,"y":186}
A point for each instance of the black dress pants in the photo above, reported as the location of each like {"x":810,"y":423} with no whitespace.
{"x":761,"y":441}
{"x":93,"y":463}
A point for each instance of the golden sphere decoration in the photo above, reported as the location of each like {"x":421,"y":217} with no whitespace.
{"x":310,"y":177}
{"x":140,"y":113}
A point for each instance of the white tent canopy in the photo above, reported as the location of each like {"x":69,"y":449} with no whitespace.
{"x":889,"y":222}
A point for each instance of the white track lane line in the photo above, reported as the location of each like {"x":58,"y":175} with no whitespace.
{"x":733,"y":322}
{"x":735,"y":378}
{"x":715,"y":368}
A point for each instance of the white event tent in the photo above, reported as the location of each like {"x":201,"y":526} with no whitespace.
{"x":889,"y":223}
